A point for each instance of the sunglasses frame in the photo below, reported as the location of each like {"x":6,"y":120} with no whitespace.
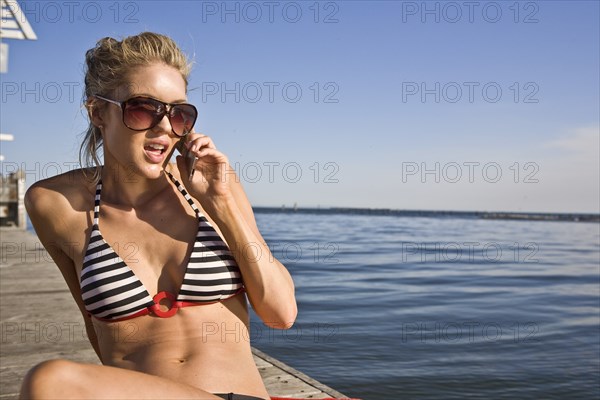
{"x":167,"y":111}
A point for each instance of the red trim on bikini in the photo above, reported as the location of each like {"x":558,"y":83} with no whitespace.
{"x":172,"y":310}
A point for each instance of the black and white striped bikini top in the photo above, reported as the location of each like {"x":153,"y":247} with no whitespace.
{"x":112,"y":292}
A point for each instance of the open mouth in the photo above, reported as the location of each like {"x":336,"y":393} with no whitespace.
{"x":156,"y":149}
{"x":156,"y":152}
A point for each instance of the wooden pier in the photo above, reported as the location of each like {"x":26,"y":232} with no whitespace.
{"x":40,"y":321}
{"x":12,"y":192}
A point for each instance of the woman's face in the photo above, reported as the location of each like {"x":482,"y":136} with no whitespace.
{"x":142,"y":153}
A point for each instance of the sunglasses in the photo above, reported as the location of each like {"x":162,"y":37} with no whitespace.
{"x":142,"y":113}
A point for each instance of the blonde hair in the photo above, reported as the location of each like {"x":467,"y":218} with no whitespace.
{"x":107,"y":66}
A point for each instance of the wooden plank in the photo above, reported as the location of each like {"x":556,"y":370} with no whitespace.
{"x":40,"y":321}
{"x":289,"y":371}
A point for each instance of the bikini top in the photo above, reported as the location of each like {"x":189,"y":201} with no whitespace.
{"x":112,"y":292}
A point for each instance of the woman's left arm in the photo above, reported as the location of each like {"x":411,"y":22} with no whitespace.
{"x":217,"y":187}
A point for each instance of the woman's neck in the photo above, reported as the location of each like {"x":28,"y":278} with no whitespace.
{"x":125,"y":187}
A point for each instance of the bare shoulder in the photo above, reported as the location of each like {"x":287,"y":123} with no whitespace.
{"x":53,"y":204}
{"x":65,"y":190}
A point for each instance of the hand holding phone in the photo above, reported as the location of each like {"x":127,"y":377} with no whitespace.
{"x":190,"y":159}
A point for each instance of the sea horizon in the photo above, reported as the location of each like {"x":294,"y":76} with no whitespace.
{"x":375,"y":211}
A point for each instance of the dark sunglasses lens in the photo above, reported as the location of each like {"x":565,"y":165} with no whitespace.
{"x":141,"y":114}
{"x":183,"y":117}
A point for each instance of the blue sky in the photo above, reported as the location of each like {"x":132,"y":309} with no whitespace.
{"x":386,"y":104}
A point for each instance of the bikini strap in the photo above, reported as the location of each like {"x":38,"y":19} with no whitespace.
{"x":97,"y":204}
{"x":185,"y":194}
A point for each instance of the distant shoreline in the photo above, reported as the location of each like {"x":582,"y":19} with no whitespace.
{"x":525,"y":216}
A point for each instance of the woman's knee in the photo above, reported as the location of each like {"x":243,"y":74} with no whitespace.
{"x":53,"y":379}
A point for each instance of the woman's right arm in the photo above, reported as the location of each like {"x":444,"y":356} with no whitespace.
{"x":52,"y":216}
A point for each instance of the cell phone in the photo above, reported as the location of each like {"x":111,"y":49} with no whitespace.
{"x":190,"y":159}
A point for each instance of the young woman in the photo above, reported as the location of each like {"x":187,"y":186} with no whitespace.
{"x":159,"y":258}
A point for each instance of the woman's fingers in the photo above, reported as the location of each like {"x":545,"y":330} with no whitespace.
{"x":202,"y":146}
{"x":198,"y":141}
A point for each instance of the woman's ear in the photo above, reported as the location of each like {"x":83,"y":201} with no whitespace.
{"x":95,"y":112}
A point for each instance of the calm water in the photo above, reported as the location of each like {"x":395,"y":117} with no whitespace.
{"x":440,"y":308}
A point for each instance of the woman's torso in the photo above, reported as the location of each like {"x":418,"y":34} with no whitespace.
{"x":199,"y":345}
